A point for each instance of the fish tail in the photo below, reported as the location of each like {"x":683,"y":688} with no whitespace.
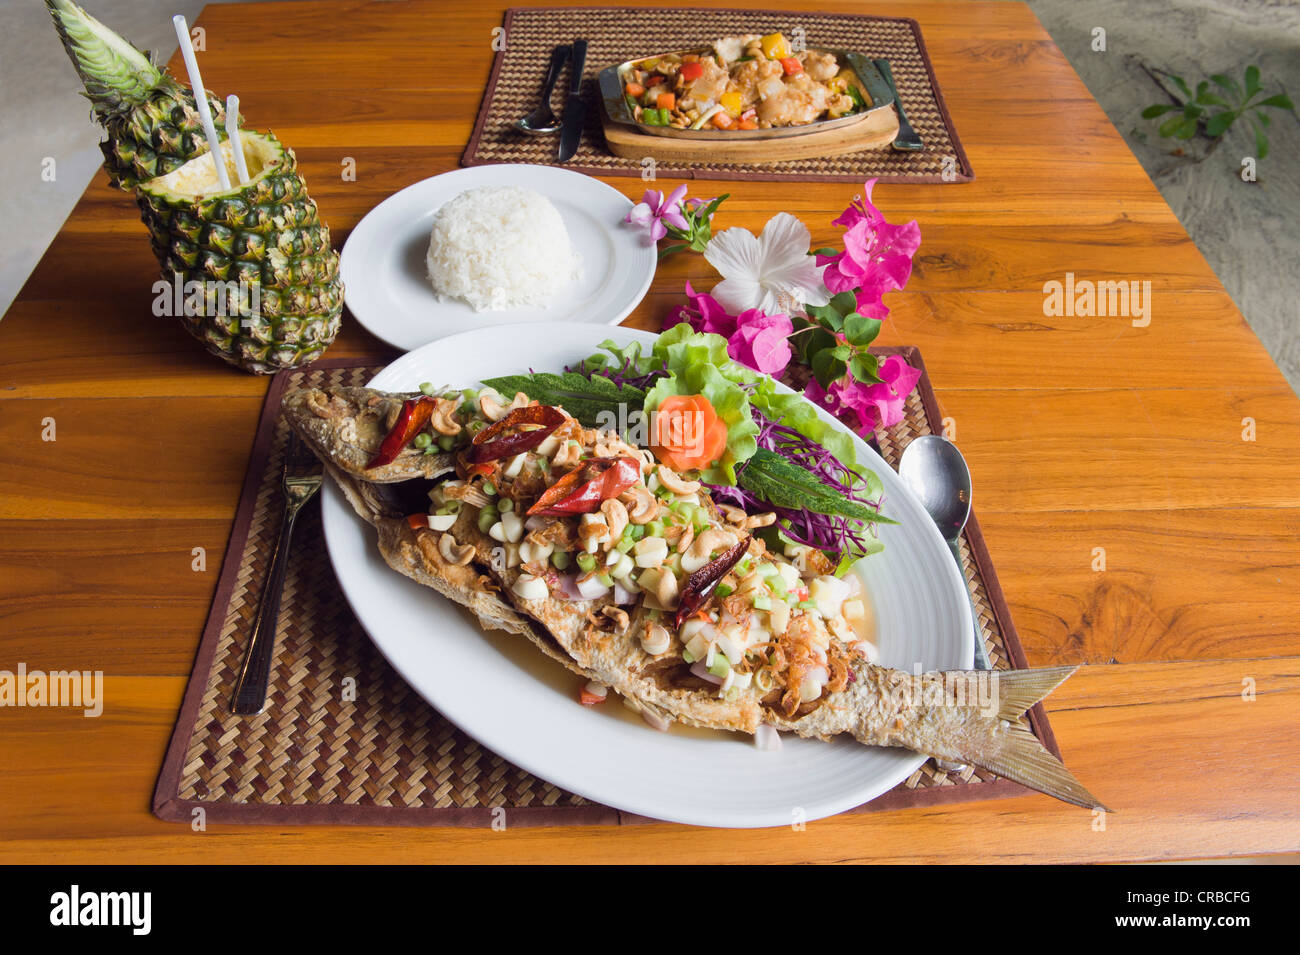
{"x":1008,"y":747}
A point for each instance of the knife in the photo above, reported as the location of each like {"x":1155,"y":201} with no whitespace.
{"x":575,"y":110}
{"x":907,"y":140}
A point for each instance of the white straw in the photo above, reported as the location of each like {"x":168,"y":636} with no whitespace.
{"x":236,"y":145}
{"x":201,"y":98}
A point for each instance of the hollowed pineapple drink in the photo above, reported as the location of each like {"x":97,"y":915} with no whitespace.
{"x":260,"y":254}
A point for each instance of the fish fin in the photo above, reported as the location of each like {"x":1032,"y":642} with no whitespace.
{"x":1016,"y":754}
{"x":1018,"y":690}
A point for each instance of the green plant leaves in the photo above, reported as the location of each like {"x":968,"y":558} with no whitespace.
{"x":1228,"y":85}
{"x":827,"y":368}
{"x":1197,"y":109}
{"x":1219,"y":123}
{"x":865,"y":368}
{"x":860,"y":330}
{"x":1159,"y":109}
{"x":1280,"y":101}
{"x":1252,"y":81}
{"x":1171,"y":126}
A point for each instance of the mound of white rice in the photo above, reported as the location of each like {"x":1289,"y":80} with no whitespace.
{"x":499,"y":248}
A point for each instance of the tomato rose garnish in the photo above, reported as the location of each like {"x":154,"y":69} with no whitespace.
{"x":686,"y":433}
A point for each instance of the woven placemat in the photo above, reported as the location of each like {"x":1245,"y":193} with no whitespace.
{"x":617,"y":34}
{"x":387,"y":757}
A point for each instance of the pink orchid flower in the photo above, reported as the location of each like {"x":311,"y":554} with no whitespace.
{"x":654,"y":210}
{"x":877,"y":256}
{"x":877,"y":405}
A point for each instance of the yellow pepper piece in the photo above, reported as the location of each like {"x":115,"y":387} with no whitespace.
{"x":774,"y":46}
{"x":731,"y":102}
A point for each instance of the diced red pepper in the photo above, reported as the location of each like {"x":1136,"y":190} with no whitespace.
{"x":747,"y":124}
{"x":653,"y":80}
{"x":587,"y":698}
{"x":634,"y":90}
{"x":414,"y":415}
{"x":791,"y":66}
{"x":700,"y":585}
{"x":587,"y":486}
{"x":692,"y":71}
{"x":490,"y":446}
{"x":666,"y":101}
{"x":416,"y":521}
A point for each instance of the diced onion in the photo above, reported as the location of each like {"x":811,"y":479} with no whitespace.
{"x":441,"y":522}
{"x":767,"y":738}
{"x":699,"y":669}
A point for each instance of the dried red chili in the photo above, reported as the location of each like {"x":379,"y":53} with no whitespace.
{"x":414,"y":415}
{"x":583,"y":489}
{"x":488,"y":446}
{"x":700,"y":585}
{"x":416,"y":521}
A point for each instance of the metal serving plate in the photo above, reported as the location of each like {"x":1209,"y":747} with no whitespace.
{"x":871,"y":84}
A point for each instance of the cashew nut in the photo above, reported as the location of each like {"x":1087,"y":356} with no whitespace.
{"x":760,"y":520}
{"x":685,"y":539}
{"x":670,"y":479}
{"x":494,"y":410}
{"x":452,"y":552}
{"x":705,"y":544}
{"x":733,"y":514}
{"x":645,"y":508}
{"x":443,"y":408}
{"x":615,"y":516}
{"x":569,"y":454}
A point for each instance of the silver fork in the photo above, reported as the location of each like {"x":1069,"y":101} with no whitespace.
{"x":300,"y":479}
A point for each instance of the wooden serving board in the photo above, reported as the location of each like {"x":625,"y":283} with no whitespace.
{"x":876,"y":131}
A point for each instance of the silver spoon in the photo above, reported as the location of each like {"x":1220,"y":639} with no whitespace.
{"x":937,"y":474}
{"x":543,"y":120}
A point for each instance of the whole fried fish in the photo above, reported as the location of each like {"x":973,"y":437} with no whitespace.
{"x":631,"y":576}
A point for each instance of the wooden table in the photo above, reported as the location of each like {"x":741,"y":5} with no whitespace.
{"x":1085,"y":435}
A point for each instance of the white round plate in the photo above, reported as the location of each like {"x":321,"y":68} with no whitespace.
{"x":385,"y":278}
{"x":503,"y":692}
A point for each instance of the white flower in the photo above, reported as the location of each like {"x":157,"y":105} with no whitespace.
{"x":771,"y":272}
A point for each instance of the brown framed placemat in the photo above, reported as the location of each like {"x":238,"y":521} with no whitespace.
{"x":386,"y":757}
{"x":616,"y":34}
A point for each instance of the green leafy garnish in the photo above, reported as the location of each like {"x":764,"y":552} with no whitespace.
{"x":784,"y":484}
{"x":590,"y":400}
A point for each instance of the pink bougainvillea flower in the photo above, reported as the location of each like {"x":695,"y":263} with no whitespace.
{"x":877,"y":256}
{"x":754,"y":338}
{"x":876,"y":406}
{"x":761,"y":341}
{"x":654,"y":210}
{"x":704,"y":314}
